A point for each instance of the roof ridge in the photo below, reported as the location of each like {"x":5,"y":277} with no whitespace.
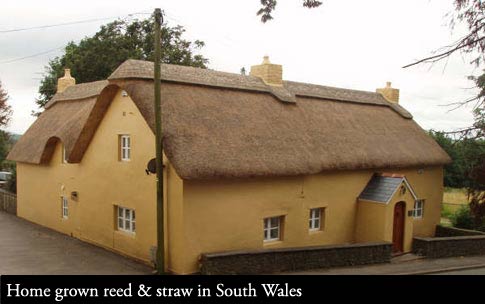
{"x":331,"y":87}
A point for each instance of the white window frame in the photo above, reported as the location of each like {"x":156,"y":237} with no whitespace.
{"x":269,"y":226}
{"x":315,"y":219}
{"x":64,"y":207}
{"x":64,"y":158}
{"x":125,"y":147}
{"x":418,"y":209}
{"x":126,"y":219}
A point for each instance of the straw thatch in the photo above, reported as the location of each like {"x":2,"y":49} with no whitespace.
{"x":80,"y":91}
{"x":62,"y":122}
{"x":223,"y":128}
{"x":212,"y":132}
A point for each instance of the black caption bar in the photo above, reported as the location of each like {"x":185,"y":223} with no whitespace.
{"x":213,"y":289}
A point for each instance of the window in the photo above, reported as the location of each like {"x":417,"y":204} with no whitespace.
{"x":64,"y":156}
{"x":418,"y":208}
{"x":64,"y":207}
{"x":272,"y":227}
{"x":315,"y":219}
{"x":125,"y":147}
{"x":126,"y":219}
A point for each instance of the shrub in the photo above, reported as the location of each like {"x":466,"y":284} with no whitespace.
{"x":463,"y":218}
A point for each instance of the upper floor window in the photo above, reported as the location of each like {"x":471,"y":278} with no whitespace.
{"x":315,"y":220}
{"x":64,"y":155}
{"x":272,"y":229}
{"x":125,"y":147}
{"x":418,"y":210}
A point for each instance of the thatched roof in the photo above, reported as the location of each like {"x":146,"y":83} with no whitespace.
{"x":80,"y":91}
{"x":227,"y":125}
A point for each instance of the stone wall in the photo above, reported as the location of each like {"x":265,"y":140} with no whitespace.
{"x":442,"y":231}
{"x":294,"y":259}
{"x":440,"y":247}
{"x":8,"y":202}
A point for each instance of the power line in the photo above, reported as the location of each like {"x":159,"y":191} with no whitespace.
{"x":67,"y":23}
{"x":30,"y":56}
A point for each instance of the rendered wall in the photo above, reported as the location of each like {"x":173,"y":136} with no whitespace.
{"x":225,"y":215}
{"x":103,"y":182}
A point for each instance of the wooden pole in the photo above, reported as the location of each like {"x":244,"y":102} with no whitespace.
{"x":159,"y":147}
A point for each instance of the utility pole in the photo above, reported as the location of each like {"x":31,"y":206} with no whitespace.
{"x":159,"y":147}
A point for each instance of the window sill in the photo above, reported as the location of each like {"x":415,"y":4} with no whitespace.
{"x":126,"y":233}
{"x":272,"y":243}
{"x":316,"y":231}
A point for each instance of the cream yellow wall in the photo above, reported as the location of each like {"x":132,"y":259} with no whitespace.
{"x":224,"y":215}
{"x":371,"y":222}
{"x":375,"y":221}
{"x":102,"y":182}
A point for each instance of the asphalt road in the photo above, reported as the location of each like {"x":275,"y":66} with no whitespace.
{"x":474,"y":271}
{"x":27,"y":248}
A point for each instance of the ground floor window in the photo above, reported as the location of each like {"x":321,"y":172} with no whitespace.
{"x":418,"y":210}
{"x":64,"y":207}
{"x":272,"y":229}
{"x":126,"y":219}
{"x":316,"y":219}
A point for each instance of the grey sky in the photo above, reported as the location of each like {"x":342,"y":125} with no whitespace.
{"x":352,"y":44}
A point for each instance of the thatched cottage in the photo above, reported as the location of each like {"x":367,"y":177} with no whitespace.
{"x":251,"y":162}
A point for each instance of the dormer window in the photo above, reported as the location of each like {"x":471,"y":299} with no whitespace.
{"x":64,"y":155}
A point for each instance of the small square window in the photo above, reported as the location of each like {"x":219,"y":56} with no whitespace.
{"x":316,"y":218}
{"x":126,"y":219}
{"x":272,"y":229}
{"x":418,"y":211}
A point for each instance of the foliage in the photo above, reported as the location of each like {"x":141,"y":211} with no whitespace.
{"x":463,"y":152}
{"x":12,"y":182}
{"x":463,"y":218}
{"x":95,"y":58}
{"x":446,"y":211}
{"x":268,"y":6}
{"x":4,"y":148}
{"x":5,"y":109}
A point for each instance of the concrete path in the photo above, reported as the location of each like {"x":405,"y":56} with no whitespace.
{"x":407,"y":265}
{"x":27,"y":248}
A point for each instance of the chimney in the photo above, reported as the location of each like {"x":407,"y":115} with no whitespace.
{"x":66,"y":81}
{"x":271,"y":74}
{"x":389,"y":93}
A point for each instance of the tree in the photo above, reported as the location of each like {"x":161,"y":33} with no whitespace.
{"x":95,"y":58}
{"x":472,"y":13}
{"x":268,"y":6}
{"x":5,"y":108}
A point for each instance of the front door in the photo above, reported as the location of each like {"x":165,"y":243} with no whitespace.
{"x":398,"y":229}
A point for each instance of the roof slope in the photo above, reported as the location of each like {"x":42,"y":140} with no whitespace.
{"x":63,"y":122}
{"x":227,"y":125}
{"x":382,"y":187}
{"x":210,"y":132}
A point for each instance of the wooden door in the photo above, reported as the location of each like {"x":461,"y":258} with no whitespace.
{"x":398,"y":227}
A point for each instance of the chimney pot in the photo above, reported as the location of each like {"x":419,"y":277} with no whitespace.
{"x":66,"y":81}
{"x":389,"y":93}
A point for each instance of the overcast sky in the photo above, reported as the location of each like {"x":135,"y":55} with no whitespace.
{"x":350,"y":44}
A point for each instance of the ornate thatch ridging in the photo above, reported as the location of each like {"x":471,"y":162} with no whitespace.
{"x":136,"y":69}
{"x":223,"y":130}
